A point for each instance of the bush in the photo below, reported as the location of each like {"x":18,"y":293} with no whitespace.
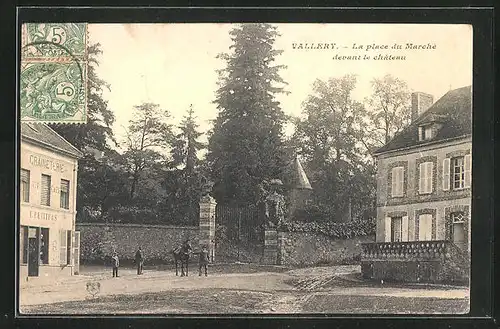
{"x":358,"y":227}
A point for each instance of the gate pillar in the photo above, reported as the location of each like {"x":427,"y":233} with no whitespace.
{"x":270,"y":256}
{"x":207,"y":224}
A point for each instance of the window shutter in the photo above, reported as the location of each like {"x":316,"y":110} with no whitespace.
{"x":387,"y":229}
{"x":76,"y":253}
{"x":69,"y":247}
{"x":404,"y":228}
{"x":45,"y":190}
{"x":400,"y":181}
{"x":394,"y":182}
{"x":62,"y":247}
{"x":430,"y":174}
{"x":421,"y":178}
{"x":467,"y":170}
{"x":446,"y":174}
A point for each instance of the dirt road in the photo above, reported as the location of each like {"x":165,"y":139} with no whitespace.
{"x":309,"y":290}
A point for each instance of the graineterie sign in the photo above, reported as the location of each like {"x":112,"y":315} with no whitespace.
{"x":44,"y":162}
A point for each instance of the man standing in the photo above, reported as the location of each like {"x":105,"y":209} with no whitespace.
{"x":139,"y":260}
{"x":204,"y":259}
{"x":116,"y":264}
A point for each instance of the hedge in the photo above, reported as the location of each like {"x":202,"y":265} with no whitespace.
{"x":357,"y":227}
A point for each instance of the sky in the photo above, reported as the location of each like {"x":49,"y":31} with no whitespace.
{"x":175,"y":65}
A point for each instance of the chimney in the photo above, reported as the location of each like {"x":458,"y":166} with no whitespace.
{"x":420,"y":102}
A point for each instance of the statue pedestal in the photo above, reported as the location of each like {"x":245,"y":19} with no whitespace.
{"x":270,"y":255}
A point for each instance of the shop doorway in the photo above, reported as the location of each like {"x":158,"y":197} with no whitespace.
{"x":33,"y":251}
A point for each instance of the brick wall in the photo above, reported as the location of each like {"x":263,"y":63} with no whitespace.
{"x":301,"y":249}
{"x":157,"y":241}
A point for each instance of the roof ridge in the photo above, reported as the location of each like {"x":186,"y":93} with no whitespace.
{"x":64,"y":139}
{"x":40,"y":133}
{"x":453,"y":105}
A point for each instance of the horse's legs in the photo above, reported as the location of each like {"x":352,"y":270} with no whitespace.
{"x":176,"y":267}
{"x":187,"y":270}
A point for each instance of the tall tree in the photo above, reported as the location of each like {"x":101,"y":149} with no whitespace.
{"x":331,"y":128}
{"x":97,"y":132}
{"x":186,"y":181}
{"x":390,"y":109}
{"x":147,"y":135}
{"x":186,"y":145}
{"x":329,"y":135}
{"x":246,"y":144}
{"x":92,"y":138}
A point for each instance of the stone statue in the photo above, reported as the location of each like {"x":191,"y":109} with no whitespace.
{"x":274,"y":206}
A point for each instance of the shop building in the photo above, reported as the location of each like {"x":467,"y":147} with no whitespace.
{"x":48,"y":243}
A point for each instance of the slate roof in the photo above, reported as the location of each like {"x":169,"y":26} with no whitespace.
{"x":300,"y":180}
{"x":453,"y":111}
{"x":40,"y":133}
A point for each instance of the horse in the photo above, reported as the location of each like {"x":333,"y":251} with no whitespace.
{"x":181,"y":254}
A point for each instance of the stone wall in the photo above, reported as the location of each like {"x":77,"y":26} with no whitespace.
{"x":157,"y":241}
{"x":304,"y":249}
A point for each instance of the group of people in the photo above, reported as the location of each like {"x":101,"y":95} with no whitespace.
{"x":139,"y":261}
{"x":203,"y":261}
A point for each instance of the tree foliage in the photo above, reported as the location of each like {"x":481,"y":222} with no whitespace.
{"x":147,"y":135}
{"x":98,"y":184}
{"x":246,"y":144}
{"x":389,"y":110}
{"x":328,"y":137}
{"x":187,"y":181}
{"x":97,"y":133}
{"x":186,"y":144}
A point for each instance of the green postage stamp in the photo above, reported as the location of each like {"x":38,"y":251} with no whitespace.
{"x":53,"y":77}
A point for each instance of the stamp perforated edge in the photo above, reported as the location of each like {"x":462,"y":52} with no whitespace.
{"x":83,"y":61}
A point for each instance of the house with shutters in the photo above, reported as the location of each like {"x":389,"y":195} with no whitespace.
{"x":424,"y":193}
{"x":48,"y":242}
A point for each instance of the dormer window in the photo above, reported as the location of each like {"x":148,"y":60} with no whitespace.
{"x":428,"y":131}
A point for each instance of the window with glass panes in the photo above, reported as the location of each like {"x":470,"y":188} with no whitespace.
{"x":396,"y":229}
{"x":64,"y":194}
{"x":25,"y":185}
{"x":458,"y":170}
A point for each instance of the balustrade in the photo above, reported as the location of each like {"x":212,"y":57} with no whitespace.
{"x":406,"y":250}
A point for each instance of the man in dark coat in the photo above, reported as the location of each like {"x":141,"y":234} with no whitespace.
{"x":116,"y":263}
{"x":139,"y":260}
{"x":204,"y":259}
